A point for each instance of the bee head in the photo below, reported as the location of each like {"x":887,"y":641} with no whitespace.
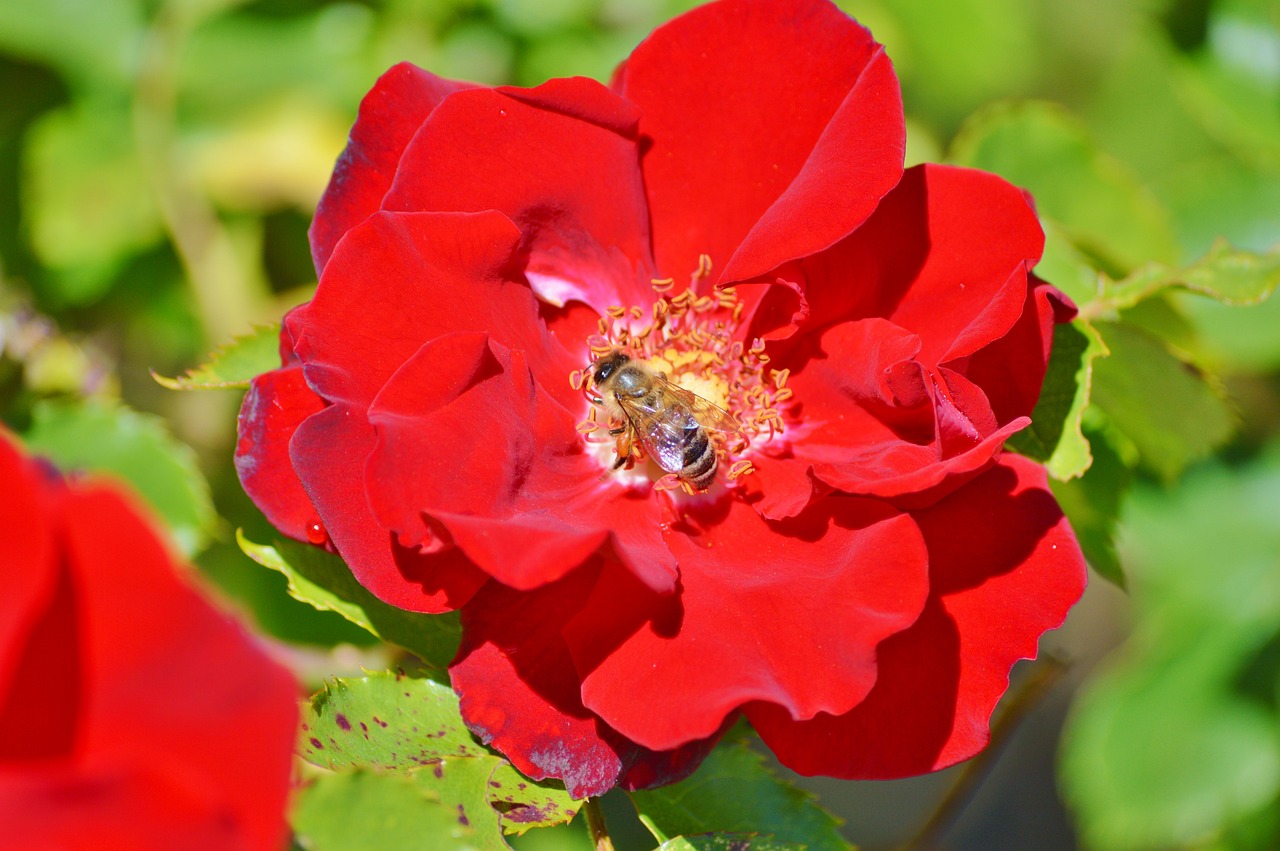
{"x":607,"y":365}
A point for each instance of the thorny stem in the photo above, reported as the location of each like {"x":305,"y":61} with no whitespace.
{"x":1038,"y":683}
{"x":596,"y":826}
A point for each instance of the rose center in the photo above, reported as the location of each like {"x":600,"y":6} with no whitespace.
{"x":696,"y":342}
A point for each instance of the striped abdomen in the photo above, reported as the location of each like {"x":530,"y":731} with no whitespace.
{"x":699,"y":459}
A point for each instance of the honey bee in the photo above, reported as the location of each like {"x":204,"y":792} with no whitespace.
{"x":667,"y":421}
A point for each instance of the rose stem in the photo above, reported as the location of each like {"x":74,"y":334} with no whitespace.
{"x":596,"y":826}
{"x":1041,"y":678}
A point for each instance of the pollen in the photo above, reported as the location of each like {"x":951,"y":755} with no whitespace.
{"x":695,"y":337}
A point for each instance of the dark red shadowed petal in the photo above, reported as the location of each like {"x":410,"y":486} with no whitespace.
{"x":945,"y":256}
{"x":275,"y":404}
{"x":329,"y":451}
{"x":40,"y":715}
{"x":776,"y":129}
{"x":1011,"y":370}
{"x":469,"y":438}
{"x":30,"y":567}
{"x":876,"y":421}
{"x":790,"y":613}
{"x":389,"y":115}
{"x":1004,"y":567}
{"x":519,"y":692}
{"x":561,"y":161}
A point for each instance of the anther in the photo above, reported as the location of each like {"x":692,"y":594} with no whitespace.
{"x":662,"y":285}
{"x":704,"y":267}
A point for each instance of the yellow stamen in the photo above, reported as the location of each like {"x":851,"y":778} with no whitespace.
{"x":696,"y":341}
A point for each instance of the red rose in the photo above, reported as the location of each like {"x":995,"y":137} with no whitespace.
{"x":132,"y":714}
{"x":733,"y":212}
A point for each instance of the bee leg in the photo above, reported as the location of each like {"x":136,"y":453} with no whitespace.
{"x":624,"y":448}
{"x":596,"y":400}
{"x":617,"y":431}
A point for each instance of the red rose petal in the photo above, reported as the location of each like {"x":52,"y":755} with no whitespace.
{"x":467,"y":437}
{"x":780,"y":486}
{"x":124,"y":691}
{"x":170,"y":680}
{"x":389,"y":115}
{"x":1004,"y":568}
{"x":787,"y":612}
{"x":945,"y":256}
{"x":877,"y":422}
{"x":1011,"y":370}
{"x":776,"y":128}
{"x":399,"y":280}
{"x":275,"y":404}
{"x":519,"y":693}
{"x":561,"y":161}
{"x":329,"y":451}
{"x":141,"y":808}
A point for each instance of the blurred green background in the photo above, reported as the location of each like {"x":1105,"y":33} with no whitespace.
{"x":159,"y":162}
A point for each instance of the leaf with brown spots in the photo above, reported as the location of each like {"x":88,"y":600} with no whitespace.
{"x":396,"y":724}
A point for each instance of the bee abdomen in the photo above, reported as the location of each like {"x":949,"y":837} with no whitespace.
{"x":699,"y":461}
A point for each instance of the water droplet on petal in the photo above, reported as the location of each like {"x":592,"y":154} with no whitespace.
{"x":316,"y":533}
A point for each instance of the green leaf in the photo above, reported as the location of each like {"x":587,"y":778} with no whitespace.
{"x":1099,"y":204}
{"x":526,"y":804}
{"x":323,"y":579}
{"x":1064,"y":266}
{"x":87,"y":201}
{"x":234,"y":364}
{"x":953,"y":55}
{"x":1054,"y":436}
{"x":103,"y":437}
{"x":1092,"y":504}
{"x":385,"y":721}
{"x":92,"y":43}
{"x":734,"y":792}
{"x":391,"y":722}
{"x":1231,"y":85}
{"x":1164,"y":405}
{"x":1177,"y":740}
{"x":727,"y":842}
{"x":360,"y":810}
{"x":1225,"y":274}
{"x":462,"y":784}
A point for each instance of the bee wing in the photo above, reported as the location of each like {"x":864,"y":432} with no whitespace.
{"x":665,"y":429}
{"x":706,"y":414}
{"x":662,"y":431}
